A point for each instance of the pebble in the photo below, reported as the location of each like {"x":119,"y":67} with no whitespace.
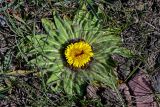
{"x":3,"y":22}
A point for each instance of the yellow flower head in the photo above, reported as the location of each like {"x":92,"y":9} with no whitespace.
{"x":78,"y":54}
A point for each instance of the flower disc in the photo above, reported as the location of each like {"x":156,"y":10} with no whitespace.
{"x":78,"y":54}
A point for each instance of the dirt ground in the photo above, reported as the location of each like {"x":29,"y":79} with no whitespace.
{"x":142,"y":35}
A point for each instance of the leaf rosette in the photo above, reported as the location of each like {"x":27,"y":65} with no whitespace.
{"x":76,"y":52}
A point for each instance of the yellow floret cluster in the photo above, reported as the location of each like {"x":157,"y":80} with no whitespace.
{"x":78,"y":54}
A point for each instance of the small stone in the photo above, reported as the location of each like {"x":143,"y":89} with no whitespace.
{"x":156,"y":80}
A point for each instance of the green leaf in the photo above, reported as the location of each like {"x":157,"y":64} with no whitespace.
{"x":68,"y":83}
{"x":55,"y":67}
{"x":55,"y":76}
{"x":52,"y":30}
{"x":80,"y":15}
{"x":78,"y":89}
{"x":70,"y":29}
{"x":109,"y":39}
{"x":123,"y":52}
{"x":110,"y":49}
{"x":49,"y":26}
{"x":37,"y":39}
{"x":61,"y":28}
{"x":57,"y":87}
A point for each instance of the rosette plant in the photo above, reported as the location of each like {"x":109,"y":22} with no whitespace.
{"x":76,"y":51}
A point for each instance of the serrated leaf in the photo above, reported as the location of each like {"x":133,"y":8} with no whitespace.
{"x":78,"y":89}
{"x":54,"y":77}
{"x":61,"y":28}
{"x":123,"y":51}
{"x":70,"y":28}
{"x":57,"y":87}
{"x":52,"y":31}
{"x":68,"y":87}
{"x":48,"y":25}
{"x":37,"y":39}
{"x":109,"y":39}
{"x":68,"y":83}
{"x":55,"y":68}
{"x":80,"y":15}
